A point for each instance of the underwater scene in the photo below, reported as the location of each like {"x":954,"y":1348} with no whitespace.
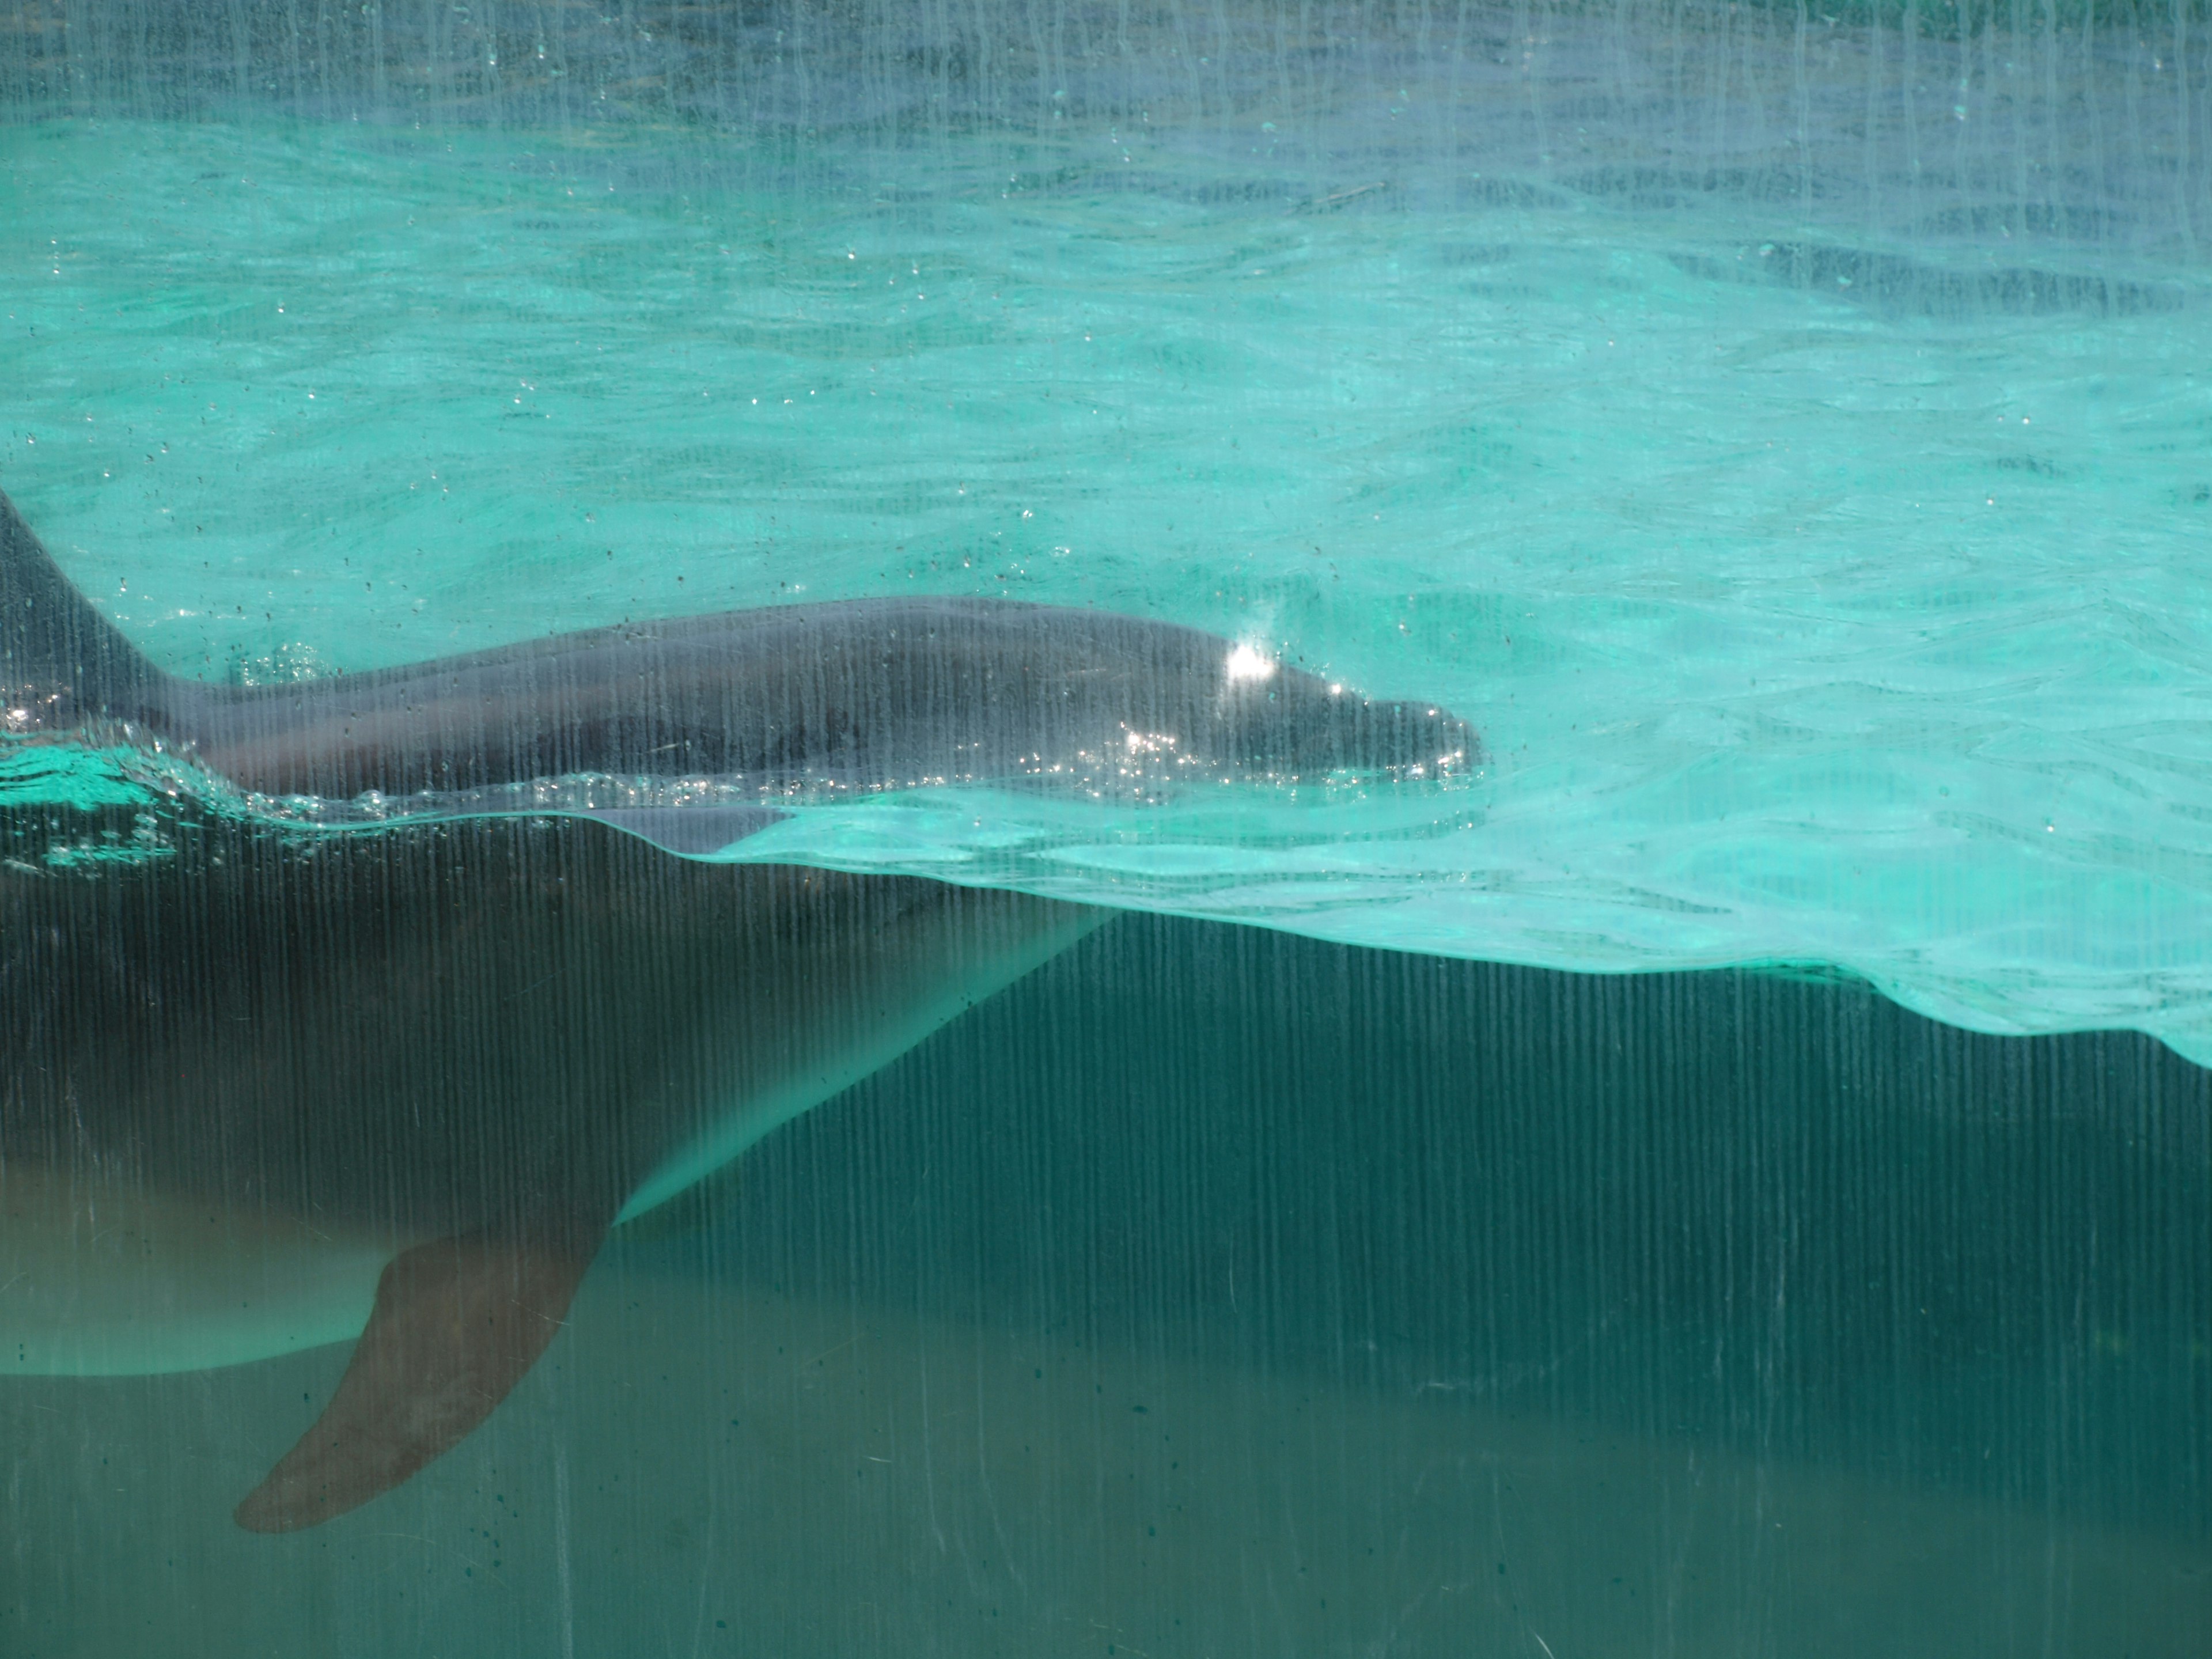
{"x":1234,"y":828}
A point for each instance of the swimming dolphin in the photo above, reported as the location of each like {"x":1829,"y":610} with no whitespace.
{"x":852,"y":696}
{"x":263,"y":1089}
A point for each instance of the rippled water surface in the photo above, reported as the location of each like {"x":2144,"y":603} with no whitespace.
{"x":1823,"y":597}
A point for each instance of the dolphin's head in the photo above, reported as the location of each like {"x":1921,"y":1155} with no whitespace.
{"x":1282,"y":718}
{"x":902,"y":692}
{"x":1061,"y":691}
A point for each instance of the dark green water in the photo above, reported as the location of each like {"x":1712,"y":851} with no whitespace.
{"x":1217,"y":1290}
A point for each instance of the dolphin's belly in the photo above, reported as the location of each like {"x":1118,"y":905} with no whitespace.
{"x":104,"y":1279}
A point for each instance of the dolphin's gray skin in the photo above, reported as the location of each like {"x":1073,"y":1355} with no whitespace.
{"x":239,"y":1080}
{"x":258,"y":1087}
{"x":864,"y":694}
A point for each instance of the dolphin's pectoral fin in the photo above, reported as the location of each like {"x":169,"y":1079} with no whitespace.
{"x":456,"y":1324}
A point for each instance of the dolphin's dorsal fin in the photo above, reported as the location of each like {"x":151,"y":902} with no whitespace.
{"x":61,"y":661}
{"x":457,"y":1323}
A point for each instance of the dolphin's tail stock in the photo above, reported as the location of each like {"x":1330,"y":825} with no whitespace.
{"x":61,"y":662}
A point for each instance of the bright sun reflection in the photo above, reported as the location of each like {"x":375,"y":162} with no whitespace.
{"x":1247,"y":664}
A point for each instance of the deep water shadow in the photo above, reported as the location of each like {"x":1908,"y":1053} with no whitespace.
{"x":1778,"y":1213}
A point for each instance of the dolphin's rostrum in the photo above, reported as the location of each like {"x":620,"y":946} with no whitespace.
{"x":265,"y":1090}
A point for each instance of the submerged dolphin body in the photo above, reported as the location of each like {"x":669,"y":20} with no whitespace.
{"x":261,"y":1090}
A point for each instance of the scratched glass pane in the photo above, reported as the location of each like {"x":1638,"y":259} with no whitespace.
{"x":1170,"y":829}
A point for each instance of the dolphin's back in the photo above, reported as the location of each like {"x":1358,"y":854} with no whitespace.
{"x":871,"y":693}
{"x":866,"y":694}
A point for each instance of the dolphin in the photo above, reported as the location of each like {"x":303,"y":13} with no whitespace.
{"x":264,"y":1088}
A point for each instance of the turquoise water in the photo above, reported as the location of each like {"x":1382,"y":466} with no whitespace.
{"x":1787,"y":438}
{"x":1821,"y":600}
